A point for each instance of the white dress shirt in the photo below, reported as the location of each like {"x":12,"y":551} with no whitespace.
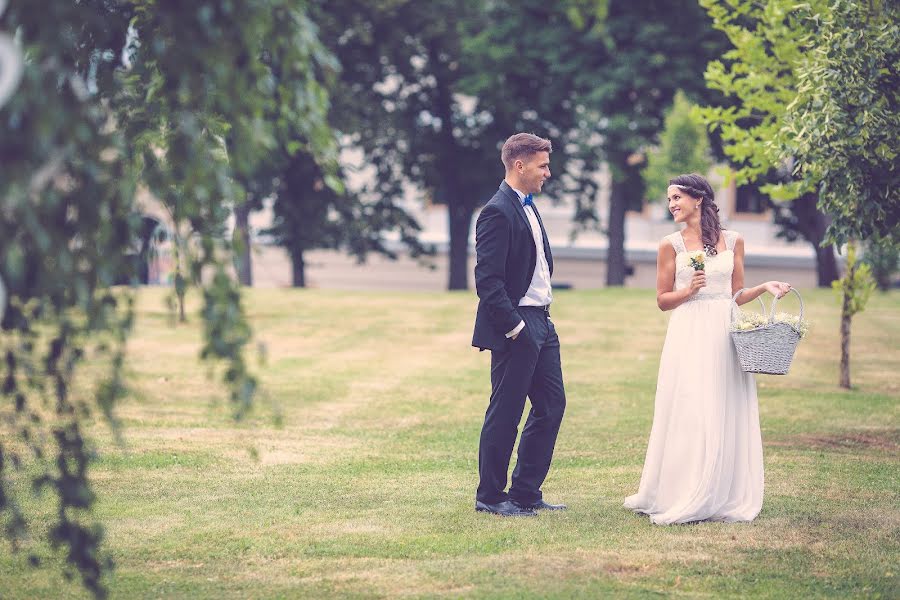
{"x":539,"y":292}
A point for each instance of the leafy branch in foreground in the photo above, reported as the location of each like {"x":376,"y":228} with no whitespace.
{"x":113,"y":94}
{"x":841,"y":131}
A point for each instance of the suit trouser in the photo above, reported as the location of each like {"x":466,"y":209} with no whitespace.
{"x":530,"y":366}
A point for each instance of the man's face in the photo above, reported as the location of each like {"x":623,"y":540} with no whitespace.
{"x":533,"y":171}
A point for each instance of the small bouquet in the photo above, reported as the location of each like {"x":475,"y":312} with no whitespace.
{"x":697,"y":257}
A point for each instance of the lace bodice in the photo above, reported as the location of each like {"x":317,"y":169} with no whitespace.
{"x":718,"y":267}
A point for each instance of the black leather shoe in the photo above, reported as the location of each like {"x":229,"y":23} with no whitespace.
{"x":505,"y":509}
{"x":541,"y":505}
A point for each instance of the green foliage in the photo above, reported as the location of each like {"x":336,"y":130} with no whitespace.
{"x":313,"y":208}
{"x":184,"y":113}
{"x":883,"y":256}
{"x":683,"y":148}
{"x":225,"y":334}
{"x":856,"y":286}
{"x":842,"y":128}
{"x":758,"y":79}
{"x":66,"y":228}
{"x":650,"y":49}
{"x":759,"y":72}
{"x":537,"y":82}
{"x":818,"y":97}
{"x":587,"y":14}
{"x":303,"y":207}
{"x":430,"y":91}
{"x":398,"y":100}
{"x":300,"y":68}
{"x":817,"y":90}
{"x":309,"y":213}
{"x":853,"y":291}
{"x":217,"y":124}
{"x":648,"y":52}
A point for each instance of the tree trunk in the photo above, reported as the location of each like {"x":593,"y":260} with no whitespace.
{"x":615,"y":233}
{"x":298,"y":270}
{"x":826,"y":264}
{"x":459,"y":210}
{"x":845,"y":341}
{"x":182,"y":317}
{"x":180,"y":292}
{"x":812,"y":224}
{"x":242,"y":259}
{"x":460,"y":216}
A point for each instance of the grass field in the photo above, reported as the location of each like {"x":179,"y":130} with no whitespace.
{"x":355,"y":475}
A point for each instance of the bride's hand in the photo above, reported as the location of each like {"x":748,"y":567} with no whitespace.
{"x":777,"y":288}
{"x":697,"y":281}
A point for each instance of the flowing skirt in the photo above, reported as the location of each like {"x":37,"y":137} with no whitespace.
{"x":704,"y":459}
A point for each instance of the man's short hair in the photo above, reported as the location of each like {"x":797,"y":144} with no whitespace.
{"x":522,"y":145}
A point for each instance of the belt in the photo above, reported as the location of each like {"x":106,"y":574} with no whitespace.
{"x":711,"y":296}
{"x":544,"y":309}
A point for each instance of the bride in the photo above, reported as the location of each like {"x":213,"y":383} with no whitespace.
{"x":704,"y":458}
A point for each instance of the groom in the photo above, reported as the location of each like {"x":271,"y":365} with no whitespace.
{"x":512,"y":278}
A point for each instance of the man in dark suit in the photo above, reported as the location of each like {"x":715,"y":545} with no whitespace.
{"x":512,"y":278}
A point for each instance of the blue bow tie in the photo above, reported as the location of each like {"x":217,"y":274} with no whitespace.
{"x":528,"y":200}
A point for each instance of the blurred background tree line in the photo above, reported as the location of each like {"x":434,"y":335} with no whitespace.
{"x":217,"y":106}
{"x":429,"y":91}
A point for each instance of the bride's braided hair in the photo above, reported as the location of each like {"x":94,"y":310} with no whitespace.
{"x":697,"y":187}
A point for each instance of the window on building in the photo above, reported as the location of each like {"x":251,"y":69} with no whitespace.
{"x":750,"y":200}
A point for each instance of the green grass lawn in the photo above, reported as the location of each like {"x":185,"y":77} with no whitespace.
{"x":355,"y":475}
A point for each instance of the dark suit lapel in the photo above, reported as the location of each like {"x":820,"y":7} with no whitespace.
{"x":546,"y":240}
{"x":514,"y":198}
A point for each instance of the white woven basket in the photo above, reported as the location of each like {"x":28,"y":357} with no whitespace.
{"x":767,"y":349}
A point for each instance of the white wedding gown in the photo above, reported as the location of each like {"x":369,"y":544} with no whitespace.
{"x":704,"y":458}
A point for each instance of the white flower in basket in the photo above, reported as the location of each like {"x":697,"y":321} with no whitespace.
{"x":766,"y":344}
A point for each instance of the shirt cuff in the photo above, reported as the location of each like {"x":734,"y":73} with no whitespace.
{"x":518,"y":328}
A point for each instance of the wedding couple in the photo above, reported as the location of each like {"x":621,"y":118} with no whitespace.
{"x":704,"y":458}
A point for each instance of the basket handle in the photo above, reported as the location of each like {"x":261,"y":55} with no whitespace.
{"x":734,"y":301}
{"x":774,"y":300}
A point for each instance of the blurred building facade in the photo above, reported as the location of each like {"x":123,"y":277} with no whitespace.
{"x":579,"y":255}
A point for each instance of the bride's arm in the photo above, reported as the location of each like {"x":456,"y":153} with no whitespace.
{"x":667,"y":297}
{"x":776,"y":288}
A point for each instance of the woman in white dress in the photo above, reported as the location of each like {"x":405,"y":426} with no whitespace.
{"x":704,"y":459}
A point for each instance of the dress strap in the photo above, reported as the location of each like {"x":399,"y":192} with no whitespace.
{"x":677,"y":242}
{"x":731,"y":237}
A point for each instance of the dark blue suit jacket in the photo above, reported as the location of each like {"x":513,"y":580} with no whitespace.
{"x":506,"y":256}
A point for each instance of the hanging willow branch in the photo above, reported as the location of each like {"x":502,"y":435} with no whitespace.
{"x":114,"y":95}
